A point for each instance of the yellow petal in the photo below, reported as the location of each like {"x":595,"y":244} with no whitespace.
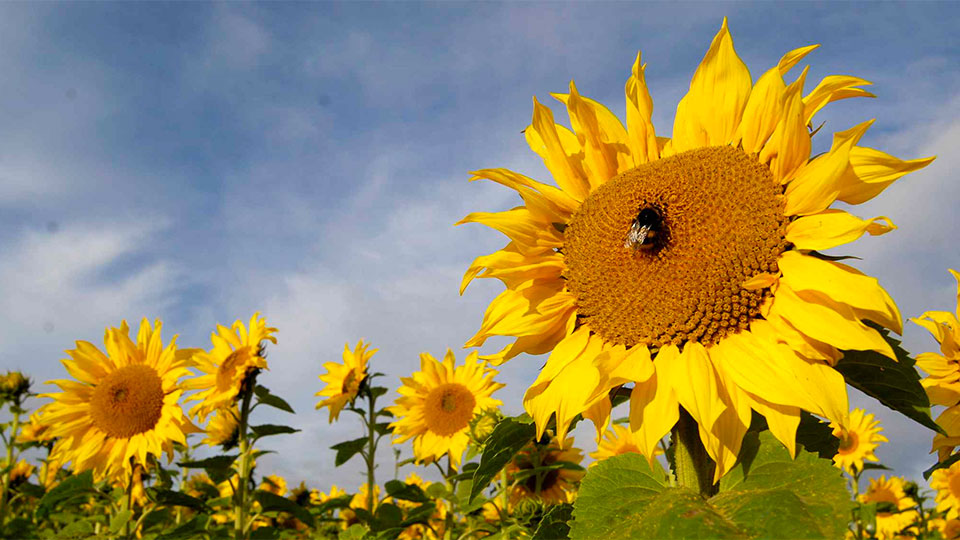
{"x":599,"y":414}
{"x":821,"y":318}
{"x":711,"y":110}
{"x":843,"y":284}
{"x":872,"y":171}
{"x":760,"y":281}
{"x":791,"y":59}
{"x":543,"y":138}
{"x":531,"y":234}
{"x":789,"y":146}
{"x":641,"y":135}
{"x":782,"y":420}
{"x":831,"y":228}
{"x":830,"y":89}
{"x":653,"y":403}
{"x":697,"y":385}
{"x":605,"y":139}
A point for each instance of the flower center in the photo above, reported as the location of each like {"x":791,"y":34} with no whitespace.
{"x":549,"y":480}
{"x":657,"y":254}
{"x":227,"y":371}
{"x":848,"y":442}
{"x":350,"y":384}
{"x":449,"y":408}
{"x":128,"y":401}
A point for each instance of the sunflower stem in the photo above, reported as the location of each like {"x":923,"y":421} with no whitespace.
{"x":693,"y":467}
{"x":14,"y":428}
{"x":126,"y":526}
{"x":371,"y":446}
{"x":245,"y":451}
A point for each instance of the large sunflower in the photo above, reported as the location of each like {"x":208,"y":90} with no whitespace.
{"x":236,"y":354}
{"x":437,"y":403}
{"x":343,"y":380}
{"x":943,"y":382}
{"x":123,"y":405}
{"x":858,"y":439}
{"x":687,"y":265}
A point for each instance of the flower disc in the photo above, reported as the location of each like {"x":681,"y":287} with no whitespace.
{"x":128,"y":401}
{"x":718,"y":219}
{"x":449,"y":408}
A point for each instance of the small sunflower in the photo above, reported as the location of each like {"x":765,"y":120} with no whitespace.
{"x":123,"y":406}
{"x":419,"y":530}
{"x":359,"y":500}
{"x":688,"y":266}
{"x":343,"y":380}
{"x":616,"y":441}
{"x":552,"y":486}
{"x":223,"y":428}
{"x":943,"y":380}
{"x":437,"y":403}
{"x":858,"y":439}
{"x":20,"y":472}
{"x":199,"y":485}
{"x":274,"y":484}
{"x":35,"y":431}
{"x":236,"y":354}
{"x":947,"y":483}
{"x":882,"y":490}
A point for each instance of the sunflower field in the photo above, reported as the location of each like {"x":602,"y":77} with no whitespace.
{"x":680,"y":295}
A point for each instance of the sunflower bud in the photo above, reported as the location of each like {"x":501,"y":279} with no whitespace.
{"x":482,"y":426}
{"x":13,"y":387}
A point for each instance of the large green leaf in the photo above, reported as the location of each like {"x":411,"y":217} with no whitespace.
{"x":767,"y":495}
{"x":555,"y":523}
{"x":265,"y":430}
{"x":348,"y":449}
{"x":73,"y":486}
{"x":816,"y":436}
{"x":896,"y":384}
{"x":274,"y":502}
{"x":264,"y":396}
{"x":508,"y":437}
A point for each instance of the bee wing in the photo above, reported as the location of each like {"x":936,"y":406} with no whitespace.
{"x":636,"y":236}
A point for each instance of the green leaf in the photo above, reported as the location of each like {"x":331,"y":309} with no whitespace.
{"x":896,"y":384}
{"x":266,"y":430}
{"x":355,"y":532}
{"x":383,"y":428}
{"x":189,"y":529}
{"x":72,"y":486}
{"x":767,"y":495}
{"x":420,"y":514}
{"x":166,"y":497}
{"x":941,"y":465}
{"x":340,"y":502}
{"x":816,"y":436}
{"x":159,"y":516}
{"x":347,"y":450}
{"x":405,"y":492}
{"x":274,"y":502}
{"x":875,"y":467}
{"x":264,"y":396}
{"x":119,"y":520}
{"x":388,"y":516}
{"x":508,"y":437}
{"x":868,"y":515}
{"x":216,"y":462}
{"x":378,"y":391}
{"x":265,"y":533}
{"x":82,"y":528}
{"x":555,"y":523}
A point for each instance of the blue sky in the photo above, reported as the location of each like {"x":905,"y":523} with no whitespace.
{"x":198,"y":162}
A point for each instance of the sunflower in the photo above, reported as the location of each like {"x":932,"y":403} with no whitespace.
{"x":35,"y":431}
{"x":943,"y":382}
{"x":947,"y":483}
{"x":224,"y":428}
{"x":20,"y":472}
{"x":359,"y":500}
{"x":858,"y":440}
{"x":688,"y":265}
{"x":419,"y":530}
{"x":343,"y":380}
{"x":437,"y":403}
{"x":274,"y":484}
{"x":553,"y":485}
{"x":881,"y":490}
{"x":616,"y":441}
{"x":123,"y":405}
{"x":236,"y":354}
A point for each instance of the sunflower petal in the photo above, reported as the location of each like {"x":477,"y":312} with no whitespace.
{"x":872,"y":171}
{"x":832,"y":228}
{"x":543,"y":138}
{"x":641,"y":135}
{"x":830,"y":89}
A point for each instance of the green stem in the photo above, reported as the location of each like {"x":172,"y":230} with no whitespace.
{"x":126,"y":526}
{"x":239,"y":524}
{"x":10,"y":464}
{"x":371,"y":447}
{"x":692,"y":464}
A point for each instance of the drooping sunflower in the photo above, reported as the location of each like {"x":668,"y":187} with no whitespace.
{"x":943,"y":380}
{"x":122,"y":406}
{"x":947,"y":483}
{"x":617,"y":440}
{"x":236,"y":354}
{"x":35,"y":431}
{"x":343,"y":380}
{"x":858,"y":439}
{"x":437,"y":403}
{"x":890,"y":524}
{"x":688,"y":265}
{"x":223,"y":428}
{"x":554,"y":485}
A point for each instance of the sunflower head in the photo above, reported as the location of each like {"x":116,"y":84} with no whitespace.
{"x":617,"y":440}
{"x":123,"y":405}
{"x":547,"y":473}
{"x":947,"y":483}
{"x":882,"y":490}
{"x":236,"y":358}
{"x":858,"y":439}
{"x":343,"y":380}
{"x":437,"y":404}
{"x":19,"y":473}
{"x":274,"y":484}
{"x":223,"y":428}
{"x":34,"y":431}
{"x":14,"y":386}
{"x":688,"y":266}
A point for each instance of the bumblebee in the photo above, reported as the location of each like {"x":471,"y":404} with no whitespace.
{"x":645,"y":231}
